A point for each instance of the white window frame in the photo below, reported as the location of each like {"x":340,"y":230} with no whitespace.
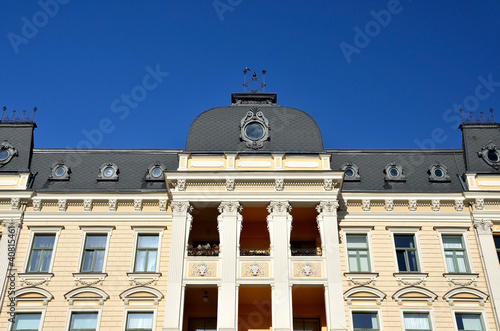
{"x":455,"y":231}
{"x":72,"y":310}
{"x":428,"y":311}
{"x":139,"y":310}
{"x":140,"y":230}
{"x":479,"y":312}
{"x":29,"y":310}
{"x":34,"y":230}
{"x":366,"y":310}
{"x":415,"y":231}
{"x":358,"y":231}
{"x":86,"y":230}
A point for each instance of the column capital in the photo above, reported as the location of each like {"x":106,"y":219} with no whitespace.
{"x":278,"y":207}
{"x":11,"y":222}
{"x":329,"y":206}
{"x":483,"y":226}
{"x":230,"y":207}
{"x":181,"y":207}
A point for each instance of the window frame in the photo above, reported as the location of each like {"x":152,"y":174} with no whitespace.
{"x":139,"y":310}
{"x":366,"y":311}
{"x":406,"y":255}
{"x":359,"y":231}
{"x":415,"y":231}
{"x":456,"y":232}
{"x":94,"y":230}
{"x":83,"y":312}
{"x":480,"y":313}
{"x":42,"y":230}
{"x":146,"y":230}
{"x":77,"y":310}
{"x":10,"y":326}
{"x":427,"y":311}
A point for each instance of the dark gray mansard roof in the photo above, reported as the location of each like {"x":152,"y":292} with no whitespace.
{"x":218,"y":129}
{"x":474,"y":138}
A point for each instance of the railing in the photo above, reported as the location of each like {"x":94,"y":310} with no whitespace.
{"x":254,"y":252}
{"x":306,"y":251}
{"x":203,"y":251}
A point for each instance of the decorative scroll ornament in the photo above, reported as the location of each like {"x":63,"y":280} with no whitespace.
{"x":201,"y":269}
{"x":87,"y":205}
{"x":459,"y":205}
{"x":137,"y":204}
{"x":181,"y":185}
{"x":328,"y":184}
{"x":490,"y":153}
{"x":254,"y":269}
{"x":7,"y":152}
{"x":254,"y":129}
{"x":37,"y":204}
{"x":329,"y":206}
{"x":366,"y":205}
{"x":279,"y":184}
{"x":62,"y":204}
{"x":480,"y":204}
{"x":389,"y":205}
{"x":230,"y":207}
{"x":112,"y":204}
{"x":483,"y":226}
{"x":412,"y":205}
{"x":11,"y":223}
{"x":279,"y":207}
{"x":307,"y":269}
{"x":181,"y":207}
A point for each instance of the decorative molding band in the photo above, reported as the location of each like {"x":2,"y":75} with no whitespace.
{"x":207,"y":164}
{"x":301,"y":164}
{"x":254,"y":164}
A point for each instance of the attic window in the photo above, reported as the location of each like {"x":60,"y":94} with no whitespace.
{"x":438,"y":173}
{"x":108,"y":171}
{"x":351,"y":172}
{"x":60,"y":171}
{"x":254,"y":129}
{"x":490,"y":153}
{"x":155,"y":172}
{"x":7,"y":152}
{"x":394,"y":172}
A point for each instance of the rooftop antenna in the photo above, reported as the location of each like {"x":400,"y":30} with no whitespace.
{"x":260,"y":85}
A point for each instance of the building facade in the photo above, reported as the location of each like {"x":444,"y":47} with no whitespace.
{"x":253,"y":226}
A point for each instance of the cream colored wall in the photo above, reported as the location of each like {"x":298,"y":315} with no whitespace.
{"x":118,"y":264}
{"x":432,"y":262}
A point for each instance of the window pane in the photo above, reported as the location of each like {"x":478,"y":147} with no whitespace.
{"x":404,"y":241}
{"x":96,"y":241}
{"x":27,"y":321}
{"x":35,"y":260}
{"x":462,"y":267}
{"x":497,"y":241}
{"x":99,"y":260}
{"x":450,"y":264}
{"x":356,"y":242}
{"x":44,"y":241}
{"x":88,"y":256}
{"x":363,"y":261}
{"x":452,"y":242}
{"x":83,"y":321}
{"x":353,"y":261}
{"x":46,"y":261}
{"x":412,"y":260}
{"x":401,"y":261}
{"x":416,"y":321}
{"x":140,"y":261}
{"x":149,"y":241}
{"x":469,"y":322}
{"x":152,"y":261}
{"x":364,"y":321}
{"x":140,"y":321}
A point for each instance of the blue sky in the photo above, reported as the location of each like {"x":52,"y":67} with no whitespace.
{"x":373,"y":74}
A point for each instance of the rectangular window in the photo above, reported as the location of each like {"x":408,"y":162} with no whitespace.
{"x":417,"y":321}
{"x":469,"y":322}
{"x":147,"y":253}
{"x":93,"y":253}
{"x":83,"y":321}
{"x":358,"y":254}
{"x":364,"y":321}
{"x":406,"y":253}
{"x":140,"y":321}
{"x":455,"y":254}
{"x":306,"y":324}
{"x":41,"y":253}
{"x":27,"y":322}
{"x":497,"y":245}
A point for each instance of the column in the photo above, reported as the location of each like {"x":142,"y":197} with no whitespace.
{"x":229,"y":224}
{"x":174,"y":298}
{"x":328,"y":227}
{"x":490,"y":261}
{"x":280,"y":226}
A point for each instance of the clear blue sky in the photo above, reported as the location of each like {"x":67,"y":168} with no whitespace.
{"x":389,"y":86}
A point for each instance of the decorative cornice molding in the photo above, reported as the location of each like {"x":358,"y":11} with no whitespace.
{"x":389,"y":205}
{"x":366,"y":205}
{"x":87,"y":204}
{"x":162,"y":203}
{"x":412,"y":205}
{"x":329,"y":206}
{"x":328,"y":184}
{"x":14,"y":203}
{"x":483,"y":226}
{"x":479,"y":203}
{"x":181,"y":207}
{"x":37,"y":204}
{"x":62,"y":204}
{"x":230,"y":184}
{"x":112,"y":204}
{"x":230,"y":207}
{"x":279,"y":184}
{"x":459,"y":205}
{"x":137,"y":204}
{"x":436,"y":205}
{"x":181,"y":185}
{"x":279,"y":207}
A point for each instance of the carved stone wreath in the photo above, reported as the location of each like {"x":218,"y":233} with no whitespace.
{"x":254,"y":269}
{"x":307,"y":269}
{"x":201,"y":269}
{"x":254,"y":116}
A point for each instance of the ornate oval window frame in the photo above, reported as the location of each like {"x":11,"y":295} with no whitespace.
{"x":400,"y":177}
{"x":54,"y":171}
{"x":355,"y":170}
{"x":254,"y":116}
{"x":150,"y":176}
{"x":103,"y":168}
{"x":6,"y":146}
{"x":488,"y":148}
{"x":436,"y":167}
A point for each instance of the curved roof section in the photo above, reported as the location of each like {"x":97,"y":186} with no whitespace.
{"x":219,"y":129}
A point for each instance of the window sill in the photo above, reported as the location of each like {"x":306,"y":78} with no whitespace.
{"x":94,"y":278}
{"x":461,"y":278}
{"x":152,"y":277}
{"x":352,"y":277}
{"x":38,"y":277}
{"x":411,"y":278}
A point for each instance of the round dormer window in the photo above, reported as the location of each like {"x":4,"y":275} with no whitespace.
{"x":493,"y":156}
{"x":108,"y":172}
{"x":254,"y":131}
{"x":60,"y":171}
{"x":394,"y":172}
{"x":4,"y":154}
{"x":156,"y":172}
{"x":438,"y":172}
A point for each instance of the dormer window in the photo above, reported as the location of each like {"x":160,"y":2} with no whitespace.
{"x":60,"y":171}
{"x":108,"y":171}
{"x":394,"y":172}
{"x":155,"y":172}
{"x":490,"y":153}
{"x":438,"y":173}
{"x":351,"y":172}
{"x":254,"y":129}
{"x":7,"y":152}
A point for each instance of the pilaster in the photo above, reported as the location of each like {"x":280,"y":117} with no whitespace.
{"x":327,"y":224}
{"x":174,"y":298}
{"x":229,"y":225}
{"x":490,"y":261}
{"x":280,"y":221}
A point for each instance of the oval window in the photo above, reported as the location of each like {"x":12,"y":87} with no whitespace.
{"x":108,"y":172}
{"x":439,"y":173}
{"x":493,"y":156}
{"x":393,"y":172}
{"x":60,"y":171}
{"x":156,"y":172}
{"x":4,"y":155}
{"x":349,"y":172}
{"x":254,"y":131}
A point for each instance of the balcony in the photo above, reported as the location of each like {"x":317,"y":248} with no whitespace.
{"x":254,"y":252}
{"x":203,"y":250}
{"x":306,"y":251}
